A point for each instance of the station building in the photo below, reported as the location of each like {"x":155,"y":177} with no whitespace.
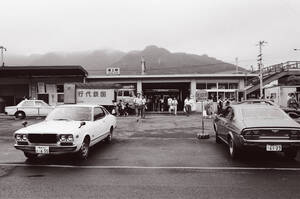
{"x":48,"y":83}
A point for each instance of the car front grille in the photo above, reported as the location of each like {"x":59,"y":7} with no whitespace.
{"x":42,"y":138}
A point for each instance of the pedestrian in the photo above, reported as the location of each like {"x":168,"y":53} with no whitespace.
{"x":169,"y":103}
{"x":220,"y":106}
{"x":292,"y":102}
{"x":187,"y":106}
{"x":161,"y":103}
{"x":138,"y":103}
{"x":115,"y":108}
{"x":144,"y":107}
{"x":126,"y":110}
{"x":121,"y":107}
{"x":174,"y":104}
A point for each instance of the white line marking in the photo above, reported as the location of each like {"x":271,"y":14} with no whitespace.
{"x":154,"y":168}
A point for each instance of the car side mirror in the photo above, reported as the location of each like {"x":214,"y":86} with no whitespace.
{"x":24,"y":123}
{"x":81,"y":124}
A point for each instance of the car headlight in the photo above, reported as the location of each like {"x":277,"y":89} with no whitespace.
{"x":21,"y":137}
{"x":66,"y":138}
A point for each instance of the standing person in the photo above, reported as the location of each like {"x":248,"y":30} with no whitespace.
{"x":126,"y":110}
{"x":187,"y":106}
{"x":138,"y":103}
{"x":292,"y":102}
{"x":161,"y":102}
{"x":169,"y":104}
{"x":174,"y":104}
{"x":144,"y":106}
{"x":220,"y":106}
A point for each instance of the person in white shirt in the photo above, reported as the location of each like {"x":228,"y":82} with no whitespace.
{"x":187,"y":106}
{"x":144,"y":106}
{"x":138,"y":103}
{"x":174,"y":104}
{"x":169,"y":104}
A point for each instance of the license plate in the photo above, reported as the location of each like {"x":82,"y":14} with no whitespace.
{"x":277,"y":147}
{"x":42,"y":149}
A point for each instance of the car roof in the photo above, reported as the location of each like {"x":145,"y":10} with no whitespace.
{"x":256,"y":105}
{"x":80,"y":105}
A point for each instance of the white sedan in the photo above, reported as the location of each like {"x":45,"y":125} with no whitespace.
{"x":67,"y":129}
{"x":29,"y":108}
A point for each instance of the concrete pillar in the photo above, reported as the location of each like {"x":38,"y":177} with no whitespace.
{"x":139,"y":88}
{"x":193,"y":87}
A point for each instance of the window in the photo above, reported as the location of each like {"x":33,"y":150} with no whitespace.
{"x":98,"y":113}
{"x":201,"y":86}
{"x":60,"y":97}
{"x":27,"y":103}
{"x":120,"y":93}
{"x":40,"y":103}
{"x":211,"y":86}
{"x":233,"y":85}
{"x":223,"y":86}
{"x":126,"y":93}
{"x":59,"y":88}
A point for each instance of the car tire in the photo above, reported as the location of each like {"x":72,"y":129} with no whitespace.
{"x":20,"y":115}
{"x":83,"y":152}
{"x":31,"y":156}
{"x":218,"y":140}
{"x":290,"y":153}
{"x":233,"y":149}
{"x":109,"y":136}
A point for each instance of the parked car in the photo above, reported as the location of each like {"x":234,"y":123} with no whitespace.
{"x":293,"y":113}
{"x":259,"y":101}
{"x":67,"y":129}
{"x":244,"y":126}
{"x":29,"y":108}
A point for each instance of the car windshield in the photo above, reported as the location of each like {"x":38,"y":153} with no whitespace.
{"x":70,"y":113}
{"x":262,"y":113}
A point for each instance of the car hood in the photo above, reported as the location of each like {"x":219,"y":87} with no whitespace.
{"x":265,"y":122}
{"x":9,"y":107}
{"x":52,"y":127}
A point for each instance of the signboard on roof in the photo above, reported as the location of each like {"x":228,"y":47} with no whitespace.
{"x":95,"y":96}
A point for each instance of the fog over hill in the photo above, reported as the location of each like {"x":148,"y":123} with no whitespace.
{"x":158,"y":61}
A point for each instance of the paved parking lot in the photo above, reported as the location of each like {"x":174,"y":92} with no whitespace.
{"x":157,"y":157}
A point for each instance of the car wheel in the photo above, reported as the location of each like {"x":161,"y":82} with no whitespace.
{"x":109,"y":137}
{"x":20,"y":115}
{"x":290,"y":153}
{"x":218,"y":140}
{"x":84,"y":149}
{"x":30,"y":156}
{"x":233,"y":149}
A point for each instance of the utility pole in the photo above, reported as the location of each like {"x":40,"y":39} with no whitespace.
{"x":2,"y":57}
{"x":260,"y":65}
{"x":236,"y":65}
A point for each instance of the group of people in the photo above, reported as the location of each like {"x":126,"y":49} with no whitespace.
{"x":122,"y":108}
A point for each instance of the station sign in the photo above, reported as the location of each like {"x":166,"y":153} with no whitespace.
{"x":201,"y":95}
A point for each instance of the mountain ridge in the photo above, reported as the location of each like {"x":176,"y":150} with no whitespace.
{"x":158,"y":61}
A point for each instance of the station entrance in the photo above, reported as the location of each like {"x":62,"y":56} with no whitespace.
{"x":157,"y":94}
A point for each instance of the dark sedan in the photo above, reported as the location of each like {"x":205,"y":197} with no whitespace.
{"x":243,"y":126}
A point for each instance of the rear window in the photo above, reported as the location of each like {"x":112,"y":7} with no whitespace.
{"x":262,"y":113}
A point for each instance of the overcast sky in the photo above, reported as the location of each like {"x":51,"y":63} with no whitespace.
{"x":223,"y":29}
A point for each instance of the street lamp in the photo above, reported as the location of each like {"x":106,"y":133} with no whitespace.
{"x":2,"y":58}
